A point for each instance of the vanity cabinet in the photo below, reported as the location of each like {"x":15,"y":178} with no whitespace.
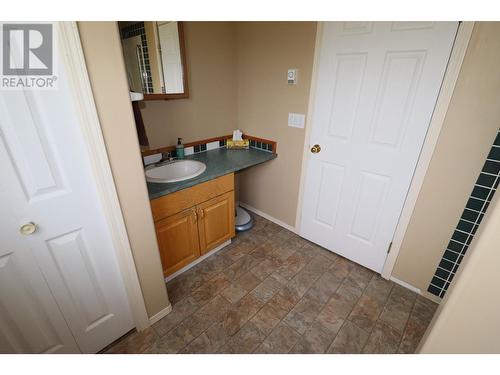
{"x":178,"y":240}
{"x":216,"y":221}
{"x":191,"y":222}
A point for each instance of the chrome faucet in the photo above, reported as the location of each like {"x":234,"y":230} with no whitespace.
{"x":165,"y":156}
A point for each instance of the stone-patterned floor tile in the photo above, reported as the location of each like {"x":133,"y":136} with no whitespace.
{"x":209,"y":341}
{"x":296,"y":241}
{"x":213,"y":266}
{"x":292,"y":265}
{"x":424,"y":308}
{"x":238,"y":314}
{"x":183,"y":285}
{"x":271,"y":229}
{"x":324,"y":287}
{"x":379,"y":289}
{"x":268,"y":317}
{"x":173,"y":341}
{"x":318,"y":265}
{"x":366,"y":312}
{"x":266,"y":267}
{"x":133,"y":343}
{"x":200,"y":345}
{"x":403,"y":295}
{"x":267,"y":289}
{"x":383,"y":340}
{"x":263,"y":250}
{"x":350,"y":340}
{"x":303,"y":314}
{"x":316,"y":340}
{"x":396,"y":314}
{"x":360,"y":276}
{"x":284,"y":235}
{"x":180,"y":311}
{"x":233,"y":293}
{"x":314,"y":250}
{"x":205,"y":316}
{"x":350,"y":289}
{"x":210,"y":289}
{"x":240,"y":267}
{"x":280,"y":341}
{"x":334,"y":313}
{"x":285,"y":299}
{"x":414,"y":331}
{"x":281,"y":253}
{"x":245,"y":341}
{"x":342,"y":267}
{"x":247,"y":281}
{"x":238,"y":251}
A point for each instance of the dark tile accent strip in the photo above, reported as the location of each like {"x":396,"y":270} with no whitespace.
{"x":475,"y":208}
{"x":137,"y":29}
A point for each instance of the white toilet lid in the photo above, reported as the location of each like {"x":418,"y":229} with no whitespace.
{"x":242,"y":217}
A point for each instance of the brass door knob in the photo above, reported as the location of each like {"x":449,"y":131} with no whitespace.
{"x":315,"y":149}
{"x":28,"y":228}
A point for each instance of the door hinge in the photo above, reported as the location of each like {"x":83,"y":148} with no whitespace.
{"x":389,"y":248}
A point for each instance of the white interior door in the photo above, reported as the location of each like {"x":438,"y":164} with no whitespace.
{"x":60,"y":288}
{"x":376,"y":89}
{"x":168,"y":33}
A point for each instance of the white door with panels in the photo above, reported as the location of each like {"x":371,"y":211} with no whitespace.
{"x":61,"y":290}
{"x":377,"y":85}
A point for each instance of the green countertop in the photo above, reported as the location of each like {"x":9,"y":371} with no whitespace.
{"x":219,"y":162}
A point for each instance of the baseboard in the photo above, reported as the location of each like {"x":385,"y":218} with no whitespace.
{"x":406,"y":285}
{"x":432,"y":297}
{"x":191,"y":265}
{"x":160,"y":314}
{"x":268,"y":217}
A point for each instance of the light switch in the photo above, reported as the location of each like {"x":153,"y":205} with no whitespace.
{"x":296,"y":120}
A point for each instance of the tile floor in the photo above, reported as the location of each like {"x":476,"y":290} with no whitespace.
{"x":271,"y":291}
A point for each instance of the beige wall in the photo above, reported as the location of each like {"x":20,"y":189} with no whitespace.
{"x":467,"y":319}
{"x":211,"y":107}
{"x":468,"y":132}
{"x":265,"y":51}
{"x":103,"y":56}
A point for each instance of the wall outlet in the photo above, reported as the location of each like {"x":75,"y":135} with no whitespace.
{"x":296,"y":120}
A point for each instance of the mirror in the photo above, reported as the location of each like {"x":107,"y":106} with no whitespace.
{"x":155,"y":61}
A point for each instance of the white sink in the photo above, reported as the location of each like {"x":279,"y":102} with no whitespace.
{"x":175,"y":171}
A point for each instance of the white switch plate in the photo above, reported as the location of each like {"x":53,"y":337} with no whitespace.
{"x":296,"y":120}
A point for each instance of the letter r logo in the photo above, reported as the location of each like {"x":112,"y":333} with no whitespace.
{"x":27,"y":49}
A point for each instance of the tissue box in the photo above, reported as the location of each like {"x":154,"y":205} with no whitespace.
{"x":238,"y":145}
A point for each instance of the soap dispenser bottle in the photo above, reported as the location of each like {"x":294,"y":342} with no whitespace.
{"x":179,"y":149}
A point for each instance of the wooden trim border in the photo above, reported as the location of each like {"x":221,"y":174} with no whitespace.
{"x":159,"y":150}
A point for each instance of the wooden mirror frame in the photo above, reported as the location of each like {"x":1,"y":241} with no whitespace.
{"x":185,"y":94}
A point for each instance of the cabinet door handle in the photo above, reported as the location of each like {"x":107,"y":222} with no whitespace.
{"x":195,"y":217}
{"x":202,"y":213}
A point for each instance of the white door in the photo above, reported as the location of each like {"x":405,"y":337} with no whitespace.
{"x":168,"y":33}
{"x":60,"y":288}
{"x":376,"y":88}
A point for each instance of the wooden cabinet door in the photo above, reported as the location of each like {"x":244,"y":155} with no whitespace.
{"x":178,"y":240}
{"x":216,"y":221}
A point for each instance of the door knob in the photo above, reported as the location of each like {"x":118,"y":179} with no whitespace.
{"x":315,"y":149}
{"x":28,"y":228}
